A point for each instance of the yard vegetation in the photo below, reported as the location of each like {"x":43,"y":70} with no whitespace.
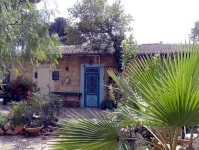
{"x":24,"y":35}
{"x":158,"y":94}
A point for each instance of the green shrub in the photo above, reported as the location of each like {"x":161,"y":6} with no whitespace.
{"x":51,"y":107}
{"x":3,"y":119}
{"x":18,"y":111}
{"x":19,"y":89}
{"x":47,"y":108}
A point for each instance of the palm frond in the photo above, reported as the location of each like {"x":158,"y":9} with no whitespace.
{"x":165,"y":91}
{"x":101,"y":133}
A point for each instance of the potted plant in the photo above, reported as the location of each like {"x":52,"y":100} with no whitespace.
{"x":3,"y":120}
{"x":18,"y":111}
{"x":24,"y":112}
{"x":34,"y":126}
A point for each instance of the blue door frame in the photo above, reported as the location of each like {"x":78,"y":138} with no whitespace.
{"x":92,"y":85}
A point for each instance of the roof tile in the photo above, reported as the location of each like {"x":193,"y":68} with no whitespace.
{"x":142,"y":49}
{"x":83,"y":50}
{"x":159,"y":48}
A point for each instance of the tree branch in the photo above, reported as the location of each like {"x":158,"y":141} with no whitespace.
{"x":108,"y":31}
{"x":12,"y":24}
{"x":16,"y":23}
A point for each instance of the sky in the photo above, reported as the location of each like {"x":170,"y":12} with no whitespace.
{"x":155,"y":21}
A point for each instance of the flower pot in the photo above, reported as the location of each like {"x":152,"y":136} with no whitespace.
{"x":17,"y":129}
{"x":33,"y":130}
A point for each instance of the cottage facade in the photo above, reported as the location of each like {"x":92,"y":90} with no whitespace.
{"x":79,"y":78}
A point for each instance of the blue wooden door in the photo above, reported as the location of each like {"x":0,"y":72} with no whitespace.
{"x":91,"y":87}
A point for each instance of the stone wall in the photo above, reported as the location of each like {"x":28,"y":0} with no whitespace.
{"x":69,"y":72}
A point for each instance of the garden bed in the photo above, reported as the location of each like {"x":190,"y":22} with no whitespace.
{"x":36,"y":112}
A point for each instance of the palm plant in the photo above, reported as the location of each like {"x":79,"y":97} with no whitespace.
{"x":164,"y":92}
{"x":103,"y":133}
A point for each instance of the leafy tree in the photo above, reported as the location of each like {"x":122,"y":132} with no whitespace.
{"x":195,"y":32}
{"x":31,"y":1}
{"x":129,"y":49}
{"x":68,"y":35}
{"x":102,"y":24}
{"x":74,"y":36}
{"x":58,"y":27}
{"x":24,"y":34}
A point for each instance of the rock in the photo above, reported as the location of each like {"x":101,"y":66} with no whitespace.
{"x":2,"y":132}
{"x":12,"y":126}
{"x":46,"y":133}
{"x":6,"y":126}
{"x":9,"y":132}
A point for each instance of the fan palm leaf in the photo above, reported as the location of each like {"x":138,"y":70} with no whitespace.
{"x":101,"y":133}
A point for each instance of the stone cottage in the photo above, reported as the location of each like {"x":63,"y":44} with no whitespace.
{"x":78,"y":78}
{"x":81,"y":75}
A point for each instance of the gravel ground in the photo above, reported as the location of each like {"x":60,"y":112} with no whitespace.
{"x":38,"y":142}
{"x":24,"y":143}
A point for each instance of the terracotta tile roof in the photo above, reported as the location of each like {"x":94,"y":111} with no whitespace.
{"x":159,"y":48}
{"x":142,"y":49}
{"x":83,"y":50}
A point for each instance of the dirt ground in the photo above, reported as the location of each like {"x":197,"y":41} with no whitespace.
{"x":24,"y":143}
